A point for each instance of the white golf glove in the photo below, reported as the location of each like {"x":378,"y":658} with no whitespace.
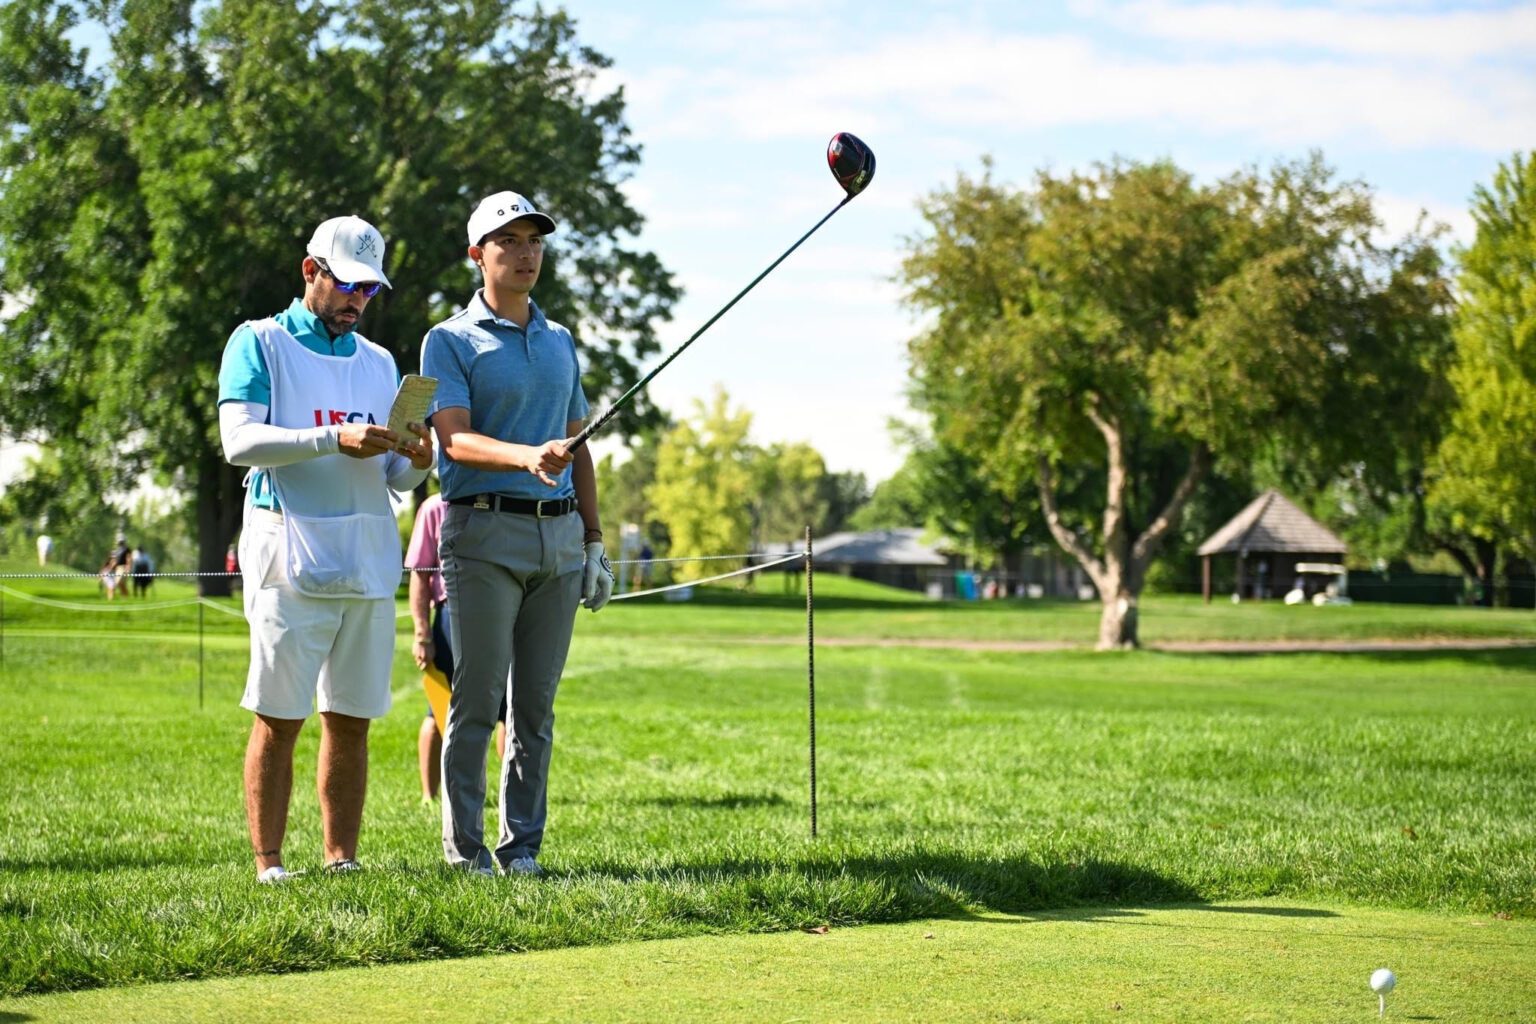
{"x":596,"y":577}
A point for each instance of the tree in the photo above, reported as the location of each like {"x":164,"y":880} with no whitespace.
{"x":32,"y":504}
{"x":703,"y":490}
{"x":1095,"y":329}
{"x":148,"y":207}
{"x":788,"y":482}
{"x":939,"y":489}
{"x":843,"y":494}
{"x":622,"y":490}
{"x":1484,"y":476}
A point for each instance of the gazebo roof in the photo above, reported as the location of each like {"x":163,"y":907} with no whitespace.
{"x":1272,"y":523}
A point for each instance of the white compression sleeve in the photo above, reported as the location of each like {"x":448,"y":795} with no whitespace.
{"x":400,"y":474}
{"x":250,"y":441}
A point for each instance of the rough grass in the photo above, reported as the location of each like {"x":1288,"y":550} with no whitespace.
{"x":951,"y":782}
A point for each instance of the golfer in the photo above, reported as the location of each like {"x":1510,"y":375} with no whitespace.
{"x":521,"y":543}
{"x":302,"y":397}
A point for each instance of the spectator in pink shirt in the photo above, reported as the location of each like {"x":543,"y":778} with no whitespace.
{"x":429,"y":617}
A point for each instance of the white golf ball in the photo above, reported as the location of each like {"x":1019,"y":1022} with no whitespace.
{"x":1382,"y":981}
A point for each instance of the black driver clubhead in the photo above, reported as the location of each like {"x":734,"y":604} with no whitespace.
{"x":852,"y":162}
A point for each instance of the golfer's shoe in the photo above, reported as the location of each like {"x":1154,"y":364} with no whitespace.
{"x":344,"y":866}
{"x":522,"y":866}
{"x":275,"y":874}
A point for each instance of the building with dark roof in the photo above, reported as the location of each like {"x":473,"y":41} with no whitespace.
{"x":1269,"y":538}
{"x":896,"y":558}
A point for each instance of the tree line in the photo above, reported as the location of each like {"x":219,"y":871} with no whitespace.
{"x":1119,"y":359}
{"x":1116,"y":359}
{"x":158,"y":191}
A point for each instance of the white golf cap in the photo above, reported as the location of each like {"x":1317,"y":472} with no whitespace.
{"x":503,"y":208}
{"x":352,"y":248}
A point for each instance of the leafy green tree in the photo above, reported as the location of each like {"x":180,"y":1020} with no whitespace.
{"x":842,"y":494}
{"x":65,"y":501}
{"x":152,"y":201}
{"x":622,"y":493}
{"x":1485,"y":479}
{"x":788,"y":482}
{"x":937,"y":488}
{"x":1094,"y":329}
{"x":703,"y":491}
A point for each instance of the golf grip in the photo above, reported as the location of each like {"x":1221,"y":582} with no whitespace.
{"x":597,"y":424}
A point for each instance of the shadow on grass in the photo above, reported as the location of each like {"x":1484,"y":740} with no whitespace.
{"x":727,"y":802}
{"x":1267,"y":911}
{"x":6,"y":1017}
{"x":1096,"y":915}
{"x":91,"y":861}
{"x":927,"y":884}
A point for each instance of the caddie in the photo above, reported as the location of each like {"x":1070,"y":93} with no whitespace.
{"x":304,"y":400}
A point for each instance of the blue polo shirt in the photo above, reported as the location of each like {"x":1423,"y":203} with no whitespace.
{"x":243,"y":375}
{"x":519,"y":386}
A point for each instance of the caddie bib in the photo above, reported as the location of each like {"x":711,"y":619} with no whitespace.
{"x":340,"y":537}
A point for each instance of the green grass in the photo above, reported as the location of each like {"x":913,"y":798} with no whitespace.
{"x":847,"y":608}
{"x":1274,"y":961}
{"x":952,"y":783}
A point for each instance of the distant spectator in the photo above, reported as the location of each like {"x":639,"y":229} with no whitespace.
{"x":429,"y":614}
{"x":232,"y":566}
{"x":642,"y":575}
{"x":114,"y":570}
{"x":44,"y":548}
{"x":141,"y":568}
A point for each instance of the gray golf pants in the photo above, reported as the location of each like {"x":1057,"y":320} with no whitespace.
{"x":514,"y":583}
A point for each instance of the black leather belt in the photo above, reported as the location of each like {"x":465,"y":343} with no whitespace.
{"x":546,"y":508}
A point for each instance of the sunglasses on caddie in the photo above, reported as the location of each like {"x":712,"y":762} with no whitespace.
{"x":369,"y":290}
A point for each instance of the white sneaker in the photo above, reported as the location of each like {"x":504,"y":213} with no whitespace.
{"x":477,"y":870}
{"x":344,"y":866}
{"x":275,"y":874}
{"x":522,"y":866}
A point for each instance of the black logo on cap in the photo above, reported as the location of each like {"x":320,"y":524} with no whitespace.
{"x":365,"y":245}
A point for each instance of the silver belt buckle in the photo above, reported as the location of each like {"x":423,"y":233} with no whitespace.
{"x":482,"y":501}
{"x":538,"y":510}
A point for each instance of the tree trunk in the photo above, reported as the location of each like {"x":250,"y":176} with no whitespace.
{"x":1121,"y":572}
{"x":1118,"y":621}
{"x":219,"y":503}
{"x":1478,"y":565}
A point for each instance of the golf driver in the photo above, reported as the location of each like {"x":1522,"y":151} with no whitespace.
{"x":853,"y":165}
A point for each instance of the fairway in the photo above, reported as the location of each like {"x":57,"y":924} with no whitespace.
{"x":1268,"y":961}
{"x":955,"y":784}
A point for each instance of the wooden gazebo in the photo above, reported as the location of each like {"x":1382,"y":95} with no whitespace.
{"x":1270,"y":538}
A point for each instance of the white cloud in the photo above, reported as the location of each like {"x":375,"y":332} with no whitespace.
{"x":1437,"y":37}
{"x":1400,"y":214}
{"x":905,"y":85}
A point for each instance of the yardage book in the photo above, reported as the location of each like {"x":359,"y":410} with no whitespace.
{"x":411,"y":403}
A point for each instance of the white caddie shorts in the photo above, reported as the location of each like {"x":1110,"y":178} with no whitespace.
{"x":309,"y":653}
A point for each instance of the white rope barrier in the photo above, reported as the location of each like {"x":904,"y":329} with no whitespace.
{"x":132,"y":605}
{"x":797,"y":556}
{"x":403,"y":568}
{"x":127,"y":604}
{"x":236,"y":613}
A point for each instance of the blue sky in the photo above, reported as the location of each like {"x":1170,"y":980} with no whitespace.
{"x":734,"y":102}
